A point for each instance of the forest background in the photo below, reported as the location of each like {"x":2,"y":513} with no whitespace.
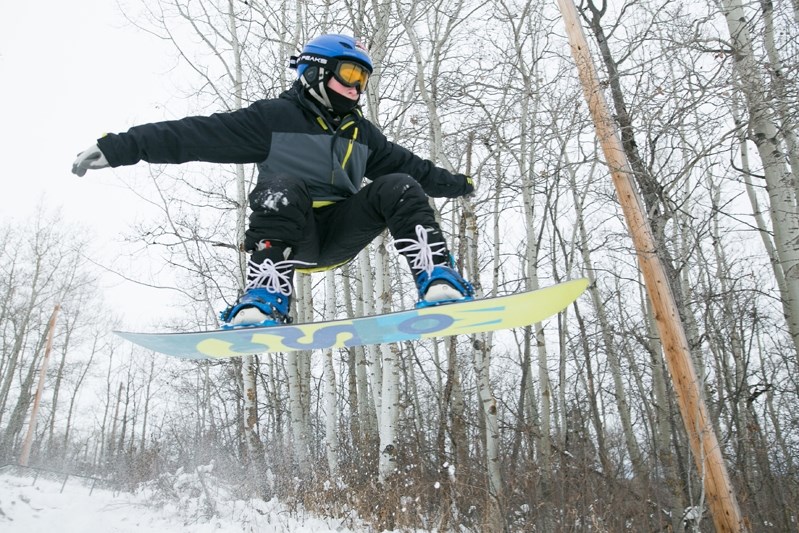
{"x":569,"y":425}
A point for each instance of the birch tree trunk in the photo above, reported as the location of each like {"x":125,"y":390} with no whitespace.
{"x":389,"y":394}
{"x":23,"y":324}
{"x":359,"y":399}
{"x":608,"y":343}
{"x":781,"y":96}
{"x":299,"y":381}
{"x":663,"y":422}
{"x":370,"y":374}
{"x":528,"y":110}
{"x":453,"y":461}
{"x":481,"y":358}
{"x":69,"y":326}
{"x":147,"y":397}
{"x":762,"y":225}
{"x":249,"y":366}
{"x":331,"y":410}
{"x":764,"y":132}
{"x":544,"y":448}
{"x":74,"y":395}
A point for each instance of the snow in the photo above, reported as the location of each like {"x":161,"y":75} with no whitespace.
{"x":271,"y":200}
{"x":33,"y":502}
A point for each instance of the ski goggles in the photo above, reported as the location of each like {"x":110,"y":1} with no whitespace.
{"x":351,"y":74}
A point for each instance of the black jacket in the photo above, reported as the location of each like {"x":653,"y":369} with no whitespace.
{"x":286,"y":136}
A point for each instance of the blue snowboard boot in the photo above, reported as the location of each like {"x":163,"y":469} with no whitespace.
{"x":443,"y":285}
{"x":438,"y":282}
{"x":267,"y":297}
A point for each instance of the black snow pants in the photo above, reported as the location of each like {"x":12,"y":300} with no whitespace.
{"x":282,"y":210}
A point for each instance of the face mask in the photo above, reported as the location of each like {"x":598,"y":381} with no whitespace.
{"x":341,"y":104}
{"x":315,"y":83}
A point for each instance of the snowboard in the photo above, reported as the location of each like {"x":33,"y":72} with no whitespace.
{"x":459,"y":318}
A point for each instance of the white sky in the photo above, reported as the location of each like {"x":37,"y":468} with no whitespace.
{"x":69,"y":72}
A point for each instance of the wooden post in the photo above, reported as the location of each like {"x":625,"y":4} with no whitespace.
{"x":26,"y":447}
{"x":704,"y":444}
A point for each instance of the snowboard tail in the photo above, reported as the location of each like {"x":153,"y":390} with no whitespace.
{"x":460,"y":318}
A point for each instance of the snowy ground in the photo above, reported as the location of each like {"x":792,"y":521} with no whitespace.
{"x":45,"y":503}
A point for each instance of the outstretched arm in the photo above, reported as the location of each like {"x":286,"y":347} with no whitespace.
{"x":239,"y":137}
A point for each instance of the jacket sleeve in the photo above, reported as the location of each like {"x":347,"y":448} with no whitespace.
{"x":241,"y":136}
{"x":386,"y":158}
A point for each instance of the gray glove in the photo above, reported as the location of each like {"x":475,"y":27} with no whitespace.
{"x":91,"y":158}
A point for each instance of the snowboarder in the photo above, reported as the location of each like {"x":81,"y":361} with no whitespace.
{"x":313,"y":148}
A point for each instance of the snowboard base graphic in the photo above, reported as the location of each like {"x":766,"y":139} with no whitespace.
{"x":461,"y":318}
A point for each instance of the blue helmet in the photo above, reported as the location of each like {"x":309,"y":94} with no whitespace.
{"x":320,"y":50}
{"x":329,"y":56}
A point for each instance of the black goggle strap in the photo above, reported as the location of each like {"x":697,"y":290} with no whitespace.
{"x":311,"y":59}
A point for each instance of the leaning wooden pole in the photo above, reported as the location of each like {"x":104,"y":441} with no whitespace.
{"x":704,"y":444}
{"x":26,"y":447}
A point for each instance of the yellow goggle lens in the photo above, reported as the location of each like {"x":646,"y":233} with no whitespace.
{"x":352,"y":74}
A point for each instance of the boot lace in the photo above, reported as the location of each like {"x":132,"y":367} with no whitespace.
{"x":274,"y":277}
{"x":420,"y":251}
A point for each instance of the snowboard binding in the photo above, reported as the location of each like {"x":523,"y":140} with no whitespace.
{"x":257,"y":307}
